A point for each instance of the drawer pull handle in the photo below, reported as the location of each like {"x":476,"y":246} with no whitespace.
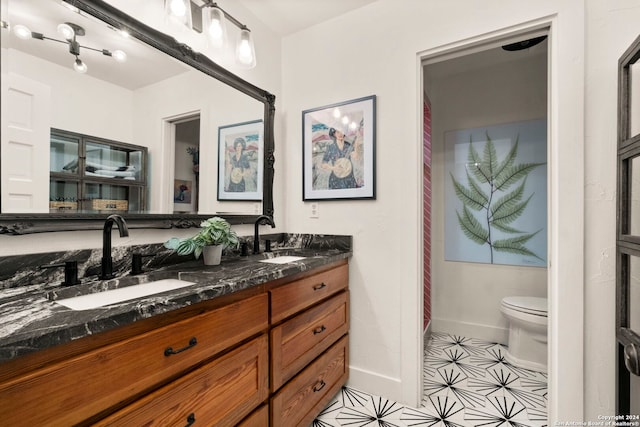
{"x":169,"y":350}
{"x":319,"y":330}
{"x":319,"y":286}
{"x":319,"y":386}
{"x":191,"y":418}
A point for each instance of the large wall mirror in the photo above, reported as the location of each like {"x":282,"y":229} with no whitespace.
{"x":75,"y":143}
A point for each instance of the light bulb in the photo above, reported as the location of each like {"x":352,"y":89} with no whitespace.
{"x":22,"y":32}
{"x":245,"y":54}
{"x":215,"y":25}
{"x":178,"y":7}
{"x":119,"y":55}
{"x":336,"y":113}
{"x":66,"y":31}
{"x":345,"y":120}
{"x":80,"y":66}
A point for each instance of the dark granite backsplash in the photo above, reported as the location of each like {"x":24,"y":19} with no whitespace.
{"x":25,"y":270}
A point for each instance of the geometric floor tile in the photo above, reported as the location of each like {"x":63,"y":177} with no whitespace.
{"x":466,"y":383}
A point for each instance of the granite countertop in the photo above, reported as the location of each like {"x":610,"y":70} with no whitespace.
{"x":31,"y":320}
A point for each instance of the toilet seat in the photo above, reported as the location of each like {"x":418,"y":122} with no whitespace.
{"x":529,"y":305}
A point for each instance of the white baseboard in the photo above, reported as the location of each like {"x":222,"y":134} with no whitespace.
{"x":375,"y":383}
{"x":471,"y":330}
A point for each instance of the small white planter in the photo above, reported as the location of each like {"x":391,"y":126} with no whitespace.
{"x":212,"y":254}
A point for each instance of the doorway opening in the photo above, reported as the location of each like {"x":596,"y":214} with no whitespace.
{"x":481,"y":93}
{"x":182,"y":163}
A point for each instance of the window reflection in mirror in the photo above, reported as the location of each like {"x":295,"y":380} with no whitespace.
{"x":130,"y":102}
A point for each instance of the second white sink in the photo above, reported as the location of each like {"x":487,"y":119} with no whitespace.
{"x":127,"y":293}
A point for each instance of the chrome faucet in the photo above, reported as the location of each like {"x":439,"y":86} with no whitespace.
{"x":107,"y":261}
{"x":256,"y":237}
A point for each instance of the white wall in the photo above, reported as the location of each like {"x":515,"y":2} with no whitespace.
{"x":611,"y":27}
{"x":80,"y":103}
{"x":351,"y":57}
{"x":466,"y":296}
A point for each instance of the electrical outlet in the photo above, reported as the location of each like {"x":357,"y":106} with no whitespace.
{"x":314,"y":211}
{"x":256,"y":208}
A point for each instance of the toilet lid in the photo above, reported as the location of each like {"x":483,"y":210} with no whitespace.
{"x":533,"y":305}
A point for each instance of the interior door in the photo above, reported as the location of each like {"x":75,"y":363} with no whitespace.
{"x":25,"y":140}
{"x":628,"y":235}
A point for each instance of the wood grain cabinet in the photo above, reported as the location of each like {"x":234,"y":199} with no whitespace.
{"x":274,"y":355}
{"x":81,"y":388}
{"x":309,"y":345}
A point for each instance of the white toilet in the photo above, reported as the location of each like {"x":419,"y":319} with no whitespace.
{"x":527,"y":347}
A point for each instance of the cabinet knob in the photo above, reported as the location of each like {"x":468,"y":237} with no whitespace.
{"x":191,"y":418}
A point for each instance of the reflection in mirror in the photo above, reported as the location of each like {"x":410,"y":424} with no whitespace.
{"x":145,"y":101}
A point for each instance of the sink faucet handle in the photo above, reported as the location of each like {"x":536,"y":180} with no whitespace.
{"x":136,"y":262}
{"x":70,"y":272}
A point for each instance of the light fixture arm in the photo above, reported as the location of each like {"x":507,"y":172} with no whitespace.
{"x":234,"y":21}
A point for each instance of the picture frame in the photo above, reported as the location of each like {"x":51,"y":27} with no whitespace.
{"x":240,"y":161}
{"x":338,"y":146}
{"x":495,"y":194}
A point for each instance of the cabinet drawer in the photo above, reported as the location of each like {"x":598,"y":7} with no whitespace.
{"x":78,"y":388}
{"x":288,"y":299}
{"x":298,"y":403}
{"x":259,"y":418}
{"x":301,"y":339}
{"x":220,"y":393}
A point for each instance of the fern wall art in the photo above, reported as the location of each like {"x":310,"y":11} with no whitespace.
{"x":496,"y":194}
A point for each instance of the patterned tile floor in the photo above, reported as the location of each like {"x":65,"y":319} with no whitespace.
{"x":467,"y":383}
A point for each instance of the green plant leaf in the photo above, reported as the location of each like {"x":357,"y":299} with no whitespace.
{"x":515,"y":245}
{"x":471,"y":227}
{"x":508,"y":216}
{"x":186,"y":246}
{"x":172,"y":243}
{"x":505,"y":205}
{"x":489,"y":159}
{"x":474,"y":164}
{"x":507,"y":162}
{"x":514,"y":173}
{"x":472,"y":197}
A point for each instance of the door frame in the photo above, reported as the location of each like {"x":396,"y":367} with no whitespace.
{"x":565,"y":214}
{"x":627,"y":245}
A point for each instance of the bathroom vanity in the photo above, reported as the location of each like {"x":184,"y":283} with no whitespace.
{"x":250,"y":343}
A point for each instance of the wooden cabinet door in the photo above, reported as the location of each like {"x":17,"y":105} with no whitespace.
{"x":299,"y":402}
{"x":220,"y":393}
{"x":293,"y":297}
{"x":299,"y":340}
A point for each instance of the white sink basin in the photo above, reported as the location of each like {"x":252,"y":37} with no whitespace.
{"x":283,"y":259}
{"x":100,"y":299}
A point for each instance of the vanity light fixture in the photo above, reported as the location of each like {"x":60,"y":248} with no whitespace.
{"x":69,"y":31}
{"x":215,"y":29}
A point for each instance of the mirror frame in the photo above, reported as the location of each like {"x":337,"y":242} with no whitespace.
{"x":17,"y":224}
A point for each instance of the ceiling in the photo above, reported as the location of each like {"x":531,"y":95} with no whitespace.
{"x":286,"y":17}
{"x":144,"y":64}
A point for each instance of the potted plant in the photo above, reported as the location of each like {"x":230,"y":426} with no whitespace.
{"x":215,"y":234}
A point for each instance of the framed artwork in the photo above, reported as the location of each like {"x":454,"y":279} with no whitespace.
{"x":338,"y":145}
{"x":182,"y":190}
{"x":240,"y":164}
{"x":495,"y":186}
